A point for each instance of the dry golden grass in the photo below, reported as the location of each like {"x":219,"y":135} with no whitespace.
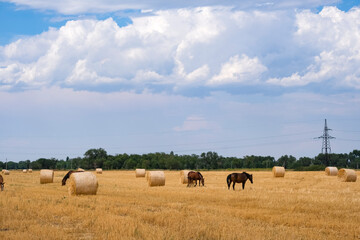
{"x":303,"y":205}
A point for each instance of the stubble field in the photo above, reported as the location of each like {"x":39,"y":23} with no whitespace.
{"x":303,"y":205}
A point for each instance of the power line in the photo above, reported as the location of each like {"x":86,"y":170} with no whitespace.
{"x":346,"y":131}
{"x":186,"y":144}
{"x":348,"y":140}
{"x":203,"y":149}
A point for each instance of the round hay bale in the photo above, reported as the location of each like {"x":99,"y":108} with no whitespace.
{"x":82,"y":183}
{"x":331,"y":171}
{"x":184,"y":176}
{"x":46,"y":176}
{"x":30,"y":170}
{"x":278,"y":171}
{"x":99,"y":170}
{"x":80,"y":170}
{"x":156,"y":178}
{"x":24,"y":171}
{"x":140,"y":172}
{"x":6,"y":172}
{"x":347,"y":175}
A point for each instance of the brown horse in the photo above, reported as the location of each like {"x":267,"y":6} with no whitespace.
{"x":63,"y":182}
{"x":2,"y":183}
{"x":238,"y":178}
{"x":195,"y":176}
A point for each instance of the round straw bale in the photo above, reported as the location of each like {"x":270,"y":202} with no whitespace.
{"x":140,"y":172}
{"x":184,"y":176}
{"x":99,"y":170}
{"x":6,"y":172}
{"x":24,"y":171}
{"x":278,"y":171}
{"x":347,"y":175}
{"x":84,"y":183}
{"x":46,"y":176}
{"x":156,"y":178}
{"x":331,"y":171}
{"x":30,"y":170}
{"x":80,"y":170}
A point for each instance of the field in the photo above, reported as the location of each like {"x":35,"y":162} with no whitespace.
{"x":303,"y":205}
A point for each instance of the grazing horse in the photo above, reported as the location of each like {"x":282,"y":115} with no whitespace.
{"x":2,"y":183}
{"x":238,"y":178}
{"x":195,"y":176}
{"x":63,"y":182}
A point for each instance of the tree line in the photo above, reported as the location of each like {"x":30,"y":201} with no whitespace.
{"x":98,"y":158}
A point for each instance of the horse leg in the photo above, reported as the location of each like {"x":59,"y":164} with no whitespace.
{"x":243,"y":185}
{"x":234,"y":186}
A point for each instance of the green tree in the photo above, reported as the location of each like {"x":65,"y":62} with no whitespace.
{"x":286,"y":161}
{"x":354,"y":157}
{"x":130,"y":163}
{"x":94,"y":158}
{"x":209,"y":160}
{"x":22,"y":165}
{"x":61,"y":165}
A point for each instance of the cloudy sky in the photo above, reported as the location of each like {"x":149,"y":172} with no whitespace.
{"x":240,"y":78}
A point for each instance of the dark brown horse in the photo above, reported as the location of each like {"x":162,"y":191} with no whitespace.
{"x":63,"y":182}
{"x":195,"y":176}
{"x":238,"y":178}
{"x":2,"y":183}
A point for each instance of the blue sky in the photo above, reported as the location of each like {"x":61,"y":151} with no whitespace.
{"x":241,"y":78}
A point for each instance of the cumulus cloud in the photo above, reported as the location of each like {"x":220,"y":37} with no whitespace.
{"x":100,"y":6}
{"x":239,"y":70}
{"x":335,"y":35}
{"x":183,"y":47}
{"x":207,"y":47}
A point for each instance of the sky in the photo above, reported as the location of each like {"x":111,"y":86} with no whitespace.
{"x":239,"y":78}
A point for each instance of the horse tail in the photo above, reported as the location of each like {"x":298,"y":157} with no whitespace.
{"x":228,"y":180}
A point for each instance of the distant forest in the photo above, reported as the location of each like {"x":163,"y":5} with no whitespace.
{"x":98,"y":158}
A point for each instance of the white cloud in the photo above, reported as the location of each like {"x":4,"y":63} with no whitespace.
{"x":239,"y":70}
{"x":184,"y":47}
{"x":335,"y":35}
{"x":81,"y":73}
{"x":100,"y":6}
{"x":195,"y":123}
{"x":207,"y":47}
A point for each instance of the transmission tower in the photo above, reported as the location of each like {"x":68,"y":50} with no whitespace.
{"x":326,"y":149}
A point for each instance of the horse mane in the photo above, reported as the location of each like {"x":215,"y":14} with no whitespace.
{"x":200,"y":174}
{"x":63,"y":182}
{"x":248,"y":175}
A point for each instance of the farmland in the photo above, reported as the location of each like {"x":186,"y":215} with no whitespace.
{"x":303,"y":205}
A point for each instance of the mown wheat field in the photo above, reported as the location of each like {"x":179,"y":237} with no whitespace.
{"x":303,"y":205}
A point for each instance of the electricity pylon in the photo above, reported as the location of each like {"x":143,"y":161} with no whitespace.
{"x":326,"y":149}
